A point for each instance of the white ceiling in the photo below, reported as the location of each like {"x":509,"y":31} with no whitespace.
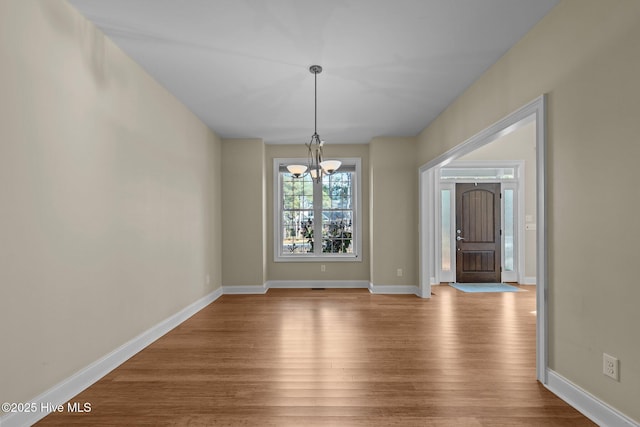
{"x":242,"y":66}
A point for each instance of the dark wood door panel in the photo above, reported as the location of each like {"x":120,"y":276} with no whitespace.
{"x":478,"y":216}
{"x":478,"y":236}
{"x":478,"y":261}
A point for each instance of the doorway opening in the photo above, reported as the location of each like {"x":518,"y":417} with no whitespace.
{"x":428,"y":199}
{"x":515,"y":260}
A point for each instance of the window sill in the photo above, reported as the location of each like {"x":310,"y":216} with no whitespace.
{"x":318,"y":258}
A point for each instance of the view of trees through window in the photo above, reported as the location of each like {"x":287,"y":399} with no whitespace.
{"x":331,"y":201}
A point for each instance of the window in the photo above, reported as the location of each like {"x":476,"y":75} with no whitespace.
{"x":445,"y":222}
{"x":479,"y":173}
{"x":304,"y":210}
{"x":509,"y":230}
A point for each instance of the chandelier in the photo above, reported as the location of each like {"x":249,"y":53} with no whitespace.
{"x":316,"y":166}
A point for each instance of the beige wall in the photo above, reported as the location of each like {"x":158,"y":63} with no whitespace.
{"x":243,"y":212}
{"x":389,"y":215}
{"x":109,"y":198}
{"x":518,"y":145}
{"x":394,"y":211}
{"x":357,"y":270}
{"x":586,"y":55}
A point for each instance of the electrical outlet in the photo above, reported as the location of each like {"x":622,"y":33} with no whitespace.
{"x":610,"y":366}
{"x":399,"y":272}
{"x":323,"y":268}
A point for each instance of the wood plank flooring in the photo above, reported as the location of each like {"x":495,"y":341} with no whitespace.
{"x":336,"y":358}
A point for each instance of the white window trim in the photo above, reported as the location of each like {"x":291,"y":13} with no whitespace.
{"x":277,"y":217}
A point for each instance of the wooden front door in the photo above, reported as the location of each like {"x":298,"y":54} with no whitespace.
{"x":478,"y":233}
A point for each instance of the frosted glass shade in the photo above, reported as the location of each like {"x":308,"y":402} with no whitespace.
{"x":330,"y":166}
{"x":297,"y":170}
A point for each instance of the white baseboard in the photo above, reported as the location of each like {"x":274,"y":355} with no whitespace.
{"x":308,"y":284}
{"x":394,"y":289}
{"x":342,"y":284}
{"x":244,"y":290}
{"x":530,"y":280}
{"x":589,"y":405}
{"x":72,"y":386}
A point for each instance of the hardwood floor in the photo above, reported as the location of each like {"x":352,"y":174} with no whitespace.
{"x":336,"y":358}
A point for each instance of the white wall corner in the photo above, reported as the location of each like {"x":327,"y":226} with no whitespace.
{"x":424,"y":293}
{"x":78,"y":382}
{"x":589,"y":405}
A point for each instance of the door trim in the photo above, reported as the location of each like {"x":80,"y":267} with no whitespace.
{"x":534,"y":110}
{"x":518,"y":185}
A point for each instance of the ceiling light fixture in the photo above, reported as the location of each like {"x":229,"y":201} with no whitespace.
{"x":317,"y":167}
